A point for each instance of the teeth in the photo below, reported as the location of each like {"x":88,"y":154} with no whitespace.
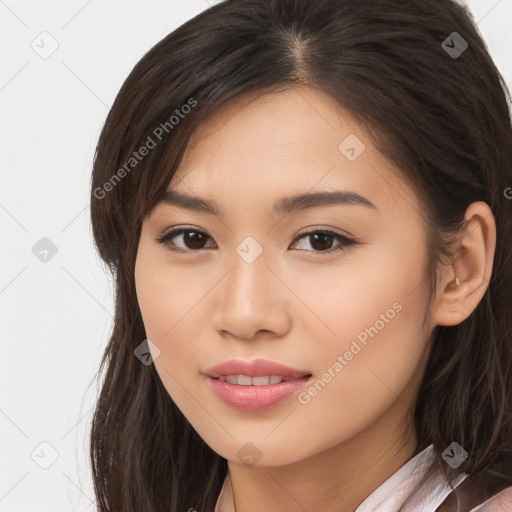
{"x":260,"y":381}
{"x":245,"y":380}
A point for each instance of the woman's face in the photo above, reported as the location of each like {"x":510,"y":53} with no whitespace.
{"x":345,"y":305}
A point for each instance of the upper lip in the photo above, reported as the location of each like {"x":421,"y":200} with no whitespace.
{"x":256,"y":368}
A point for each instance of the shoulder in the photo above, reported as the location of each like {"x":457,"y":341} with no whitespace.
{"x":501,"y":502}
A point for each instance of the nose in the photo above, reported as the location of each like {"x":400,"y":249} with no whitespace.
{"x":252,"y":298}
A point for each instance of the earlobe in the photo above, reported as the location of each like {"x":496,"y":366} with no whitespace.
{"x":464,"y":282}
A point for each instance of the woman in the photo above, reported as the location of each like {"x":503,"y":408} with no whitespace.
{"x":306,"y":207}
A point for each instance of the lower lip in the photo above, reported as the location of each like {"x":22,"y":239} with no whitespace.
{"x":255,"y":398}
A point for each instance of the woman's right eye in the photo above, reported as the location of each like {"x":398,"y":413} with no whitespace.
{"x":193,"y":238}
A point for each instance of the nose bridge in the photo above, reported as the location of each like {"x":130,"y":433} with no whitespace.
{"x":249,"y":277}
{"x":251,"y":294}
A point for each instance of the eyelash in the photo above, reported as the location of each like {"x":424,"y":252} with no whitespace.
{"x":345,"y":242}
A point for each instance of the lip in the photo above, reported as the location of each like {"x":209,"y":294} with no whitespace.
{"x":256,"y":368}
{"x":255,"y":398}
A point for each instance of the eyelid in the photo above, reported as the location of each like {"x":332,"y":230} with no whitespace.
{"x":324,"y":229}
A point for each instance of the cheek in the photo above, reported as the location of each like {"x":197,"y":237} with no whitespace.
{"x":154,"y":298}
{"x":375,"y":343}
{"x":167,"y":313}
{"x":164,"y":295}
{"x":161,"y":304}
{"x":172,"y":302}
{"x":363,"y":296}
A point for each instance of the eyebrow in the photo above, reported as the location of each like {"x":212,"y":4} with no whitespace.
{"x":284,"y":205}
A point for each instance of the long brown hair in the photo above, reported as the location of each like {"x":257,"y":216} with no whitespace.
{"x":436,"y":108}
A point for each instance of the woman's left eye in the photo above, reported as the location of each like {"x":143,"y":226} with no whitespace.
{"x":321,"y":238}
{"x":195,"y":240}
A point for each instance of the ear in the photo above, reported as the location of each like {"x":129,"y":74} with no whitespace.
{"x":472,"y":266}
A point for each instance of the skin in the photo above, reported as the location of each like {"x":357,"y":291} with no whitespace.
{"x":296,"y":305}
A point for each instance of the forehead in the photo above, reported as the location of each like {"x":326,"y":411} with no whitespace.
{"x":266,"y":145}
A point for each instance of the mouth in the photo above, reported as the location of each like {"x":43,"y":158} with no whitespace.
{"x":254,"y":370}
{"x":263,"y":380}
{"x":256,"y":394}
{"x":255,"y":385}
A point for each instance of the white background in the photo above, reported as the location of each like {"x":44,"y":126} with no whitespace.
{"x":56,"y":315}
